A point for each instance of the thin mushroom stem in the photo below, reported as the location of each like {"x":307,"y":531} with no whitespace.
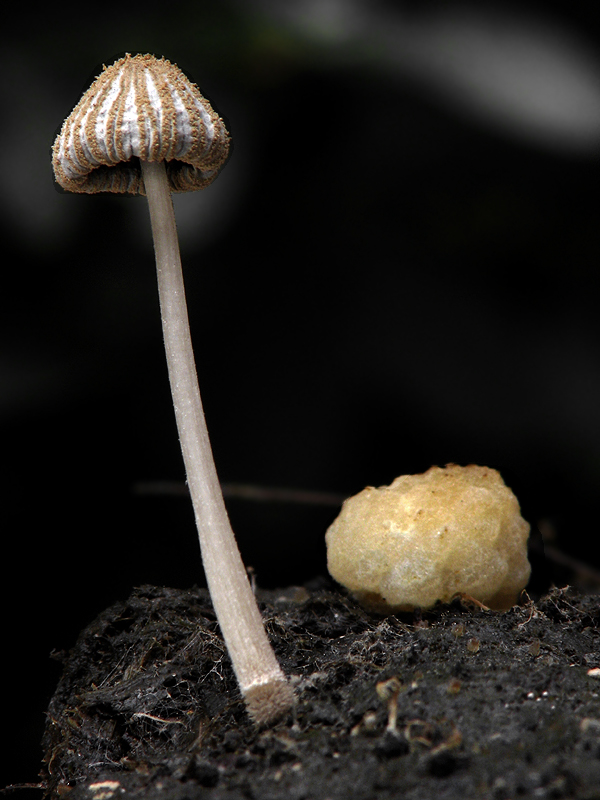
{"x":265,"y":689}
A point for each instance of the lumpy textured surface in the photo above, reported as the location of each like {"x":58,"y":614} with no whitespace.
{"x":428,"y":537}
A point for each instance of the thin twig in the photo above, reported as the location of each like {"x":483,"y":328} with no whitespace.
{"x":245,"y":491}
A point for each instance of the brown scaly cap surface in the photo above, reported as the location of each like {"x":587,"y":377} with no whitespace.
{"x":141,"y":107}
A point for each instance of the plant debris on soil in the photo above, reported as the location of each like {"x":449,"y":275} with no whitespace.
{"x":457,"y":702}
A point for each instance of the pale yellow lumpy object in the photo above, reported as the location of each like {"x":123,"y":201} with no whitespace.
{"x":426,"y":537}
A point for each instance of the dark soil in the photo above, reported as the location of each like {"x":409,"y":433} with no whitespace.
{"x":489,"y":705}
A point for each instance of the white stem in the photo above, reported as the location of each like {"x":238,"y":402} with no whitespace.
{"x":262,"y":682}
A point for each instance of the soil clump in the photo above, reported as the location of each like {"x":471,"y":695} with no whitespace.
{"x":458,"y":702}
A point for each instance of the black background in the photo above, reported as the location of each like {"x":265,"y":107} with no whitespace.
{"x":383,"y":278}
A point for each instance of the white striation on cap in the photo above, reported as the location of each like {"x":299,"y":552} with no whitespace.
{"x":141,"y":107}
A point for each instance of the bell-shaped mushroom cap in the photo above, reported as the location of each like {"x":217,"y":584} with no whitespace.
{"x":141,"y":107}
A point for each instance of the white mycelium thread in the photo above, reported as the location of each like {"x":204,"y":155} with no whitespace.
{"x":141,"y":107}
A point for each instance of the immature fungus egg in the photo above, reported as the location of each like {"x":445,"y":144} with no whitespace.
{"x":426,"y":537}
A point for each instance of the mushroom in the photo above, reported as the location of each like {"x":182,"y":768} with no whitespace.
{"x":452,"y":530}
{"x":143,"y":128}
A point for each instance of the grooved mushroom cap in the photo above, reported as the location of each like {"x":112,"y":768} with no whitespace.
{"x":143,"y":107}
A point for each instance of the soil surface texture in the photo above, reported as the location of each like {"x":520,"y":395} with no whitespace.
{"x":458,"y":702}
